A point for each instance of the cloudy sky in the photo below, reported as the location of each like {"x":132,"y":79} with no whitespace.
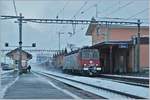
{"x":46,"y":35}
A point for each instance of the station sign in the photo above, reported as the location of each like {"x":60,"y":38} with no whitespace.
{"x":123,"y":45}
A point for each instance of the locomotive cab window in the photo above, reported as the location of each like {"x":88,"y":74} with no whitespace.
{"x":96,"y":54}
{"x":89,"y":54}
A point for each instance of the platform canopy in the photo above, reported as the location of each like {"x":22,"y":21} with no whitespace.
{"x":15,"y":54}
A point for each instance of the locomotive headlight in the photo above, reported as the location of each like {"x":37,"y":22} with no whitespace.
{"x":99,"y":68}
{"x":91,"y":61}
{"x":84,"y":64}
{"x":85,"y":68}
{"x":96,"y":64}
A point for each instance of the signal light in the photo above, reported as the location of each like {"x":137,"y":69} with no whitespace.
{"x":33,"y":44}
{"x":6,"y":44}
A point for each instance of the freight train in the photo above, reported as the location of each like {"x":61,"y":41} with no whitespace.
{"x":83,"y":61}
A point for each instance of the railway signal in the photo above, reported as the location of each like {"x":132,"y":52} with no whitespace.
{"x":33,"y":44}
{"x":6,"y":44}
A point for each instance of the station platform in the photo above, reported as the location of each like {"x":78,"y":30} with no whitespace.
{"x":30,"y":86}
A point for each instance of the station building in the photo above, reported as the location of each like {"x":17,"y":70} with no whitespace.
{"x":15,"y":55}
{"x":117,"y":46}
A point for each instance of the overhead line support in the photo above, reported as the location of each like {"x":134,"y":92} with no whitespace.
{"x":63,"y":21}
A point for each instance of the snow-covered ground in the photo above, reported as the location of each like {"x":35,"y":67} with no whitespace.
{"x":126,"y":76}
{"x":6,"y":71}
{"x":125,"y":88}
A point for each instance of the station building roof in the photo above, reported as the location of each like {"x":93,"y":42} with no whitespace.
{"x":10,"y":54}
{"x":91,"y":26}
{"x":111,"y":43}
{"x":143,"y":40}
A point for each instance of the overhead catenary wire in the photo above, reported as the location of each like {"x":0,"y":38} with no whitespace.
{"x":78,"y":12}
{"x":121,"y":18}
{"x":62,"y":10}
{"x":119,"y":8}
{"x":87,"y":9}
{"x":142,"y":11}
{"x":14,"y":4}
{"x":104,"y":10}
{"x":109,"y":8}
{"x":74,"y":16}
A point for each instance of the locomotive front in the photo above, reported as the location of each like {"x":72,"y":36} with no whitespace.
{"x":90,"y":61}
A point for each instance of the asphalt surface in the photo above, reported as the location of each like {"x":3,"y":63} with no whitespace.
{"x":29,"y":86}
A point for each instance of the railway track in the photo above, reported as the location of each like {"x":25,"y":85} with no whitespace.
{"x":97,"y":90}
{"x":136,"y":81}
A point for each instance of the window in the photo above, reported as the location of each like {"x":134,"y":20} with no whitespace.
{"x":89,"y":54}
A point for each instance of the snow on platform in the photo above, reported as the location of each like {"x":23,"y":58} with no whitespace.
{"x":7,"y":71}
{"x":126,"y":76}
{"x":121,"y":87}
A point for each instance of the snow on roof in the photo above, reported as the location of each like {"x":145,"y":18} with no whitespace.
{"x":9,"y":54}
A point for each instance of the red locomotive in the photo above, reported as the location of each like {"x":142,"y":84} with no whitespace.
{"x":83,"y":61}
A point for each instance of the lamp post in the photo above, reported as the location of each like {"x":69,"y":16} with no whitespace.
{"x":59,"y":33}
{"x":20,"y":43}
{"x":138,"y":47}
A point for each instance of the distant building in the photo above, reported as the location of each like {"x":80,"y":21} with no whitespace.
{"x":117,"y":47}
{"x":43,"y":58}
